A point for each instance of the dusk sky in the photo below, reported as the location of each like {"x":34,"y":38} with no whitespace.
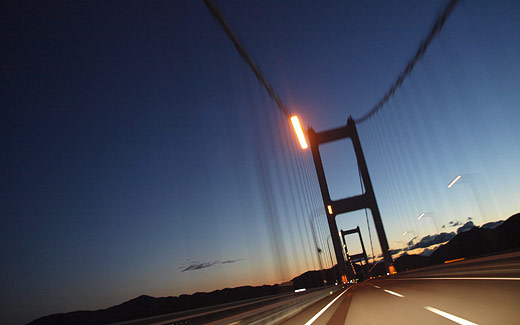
{"x":141,"y":156}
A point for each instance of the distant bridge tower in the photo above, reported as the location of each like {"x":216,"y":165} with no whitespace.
{"x":356,"y":257}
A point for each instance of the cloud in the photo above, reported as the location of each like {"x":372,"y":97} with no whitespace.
{"x":455,"y":223}
{"x":429,"y":240}
{"x":199,"y":266}
{"x":229,"y":261}
{"x":427,"y":252}
{"x":410,"y":243}
{"x":393,"y":251}
{"x":467,"y":226}
{"x":492,"y":225}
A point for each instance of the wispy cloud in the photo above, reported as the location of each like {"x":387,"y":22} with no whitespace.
{"x":229,"y":261}
{"x":427,"y":252}
{"x":197,"y":266}
{"x":455,"y":223}
{"x":393,"y":251}
{"x":430,"y":240}
{"x":204,"y":265}
{"x":410,"y":243}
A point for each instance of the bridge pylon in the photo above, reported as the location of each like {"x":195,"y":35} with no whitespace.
{"x":350,"y":204}
{"x":356,"y":257}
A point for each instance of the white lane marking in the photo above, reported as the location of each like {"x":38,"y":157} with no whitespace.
{"x":325,"y":308}
{"x":394,"y":293}
{"x":461,"y":278}
{"x":451,"y":317}
{"x":377,"y":287}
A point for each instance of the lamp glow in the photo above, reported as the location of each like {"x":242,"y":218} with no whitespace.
{"x":454,"y":181}
{"x":329,"y":208}
{"x":299,"y":131}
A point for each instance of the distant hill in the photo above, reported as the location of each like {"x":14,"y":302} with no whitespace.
{"x":480,"y":241}
{"x":313,"y":279}
{"x":410,"y":262}
{"x":146,"y":306}
{"x":474,"y":242}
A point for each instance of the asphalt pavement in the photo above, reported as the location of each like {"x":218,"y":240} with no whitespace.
{"x":473,"y":292}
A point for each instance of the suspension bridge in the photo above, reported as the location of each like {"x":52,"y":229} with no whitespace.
{"x":195,"y":166}
{"x":401,"y":132}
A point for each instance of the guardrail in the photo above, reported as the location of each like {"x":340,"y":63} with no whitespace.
{"x":261,"y":310}
{"x":278,"y":312}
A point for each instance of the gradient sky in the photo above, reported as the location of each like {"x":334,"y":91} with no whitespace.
{"x":137,"y":143}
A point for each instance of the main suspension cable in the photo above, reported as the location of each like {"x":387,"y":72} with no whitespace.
{"x":242,"y":51}
{"x":436,"y":28}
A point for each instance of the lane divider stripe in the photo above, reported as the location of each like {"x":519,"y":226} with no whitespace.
{"x":451,"y":317}
{"x":315,"y":317}
{"x":394,"y":293}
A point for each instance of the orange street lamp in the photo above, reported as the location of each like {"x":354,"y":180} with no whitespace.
{"x":299,"y":131}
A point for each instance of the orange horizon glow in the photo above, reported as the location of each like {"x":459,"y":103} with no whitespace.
{"x":299,"y":131}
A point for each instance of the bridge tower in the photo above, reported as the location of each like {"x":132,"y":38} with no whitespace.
{"x":350,"y":204}
{"x":356,"y":257}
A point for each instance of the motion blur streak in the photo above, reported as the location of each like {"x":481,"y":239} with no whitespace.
{"x":454,"y":260}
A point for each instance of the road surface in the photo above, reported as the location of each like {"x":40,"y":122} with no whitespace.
{"x":484,"y":291}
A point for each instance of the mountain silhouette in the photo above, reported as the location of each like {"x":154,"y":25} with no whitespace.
{"x":146,"y":306}
{"x":475,"y":242}
{"x":481,"y":241}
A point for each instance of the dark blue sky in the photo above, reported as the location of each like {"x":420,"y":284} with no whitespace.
{"x":133,"y":137}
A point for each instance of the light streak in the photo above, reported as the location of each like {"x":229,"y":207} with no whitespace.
{"x":299,"y":131}
{"x":454,"y":181}
{"x":455,"y":260}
